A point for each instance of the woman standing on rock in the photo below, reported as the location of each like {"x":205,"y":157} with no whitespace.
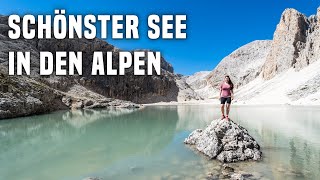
{"x":226,"y":95}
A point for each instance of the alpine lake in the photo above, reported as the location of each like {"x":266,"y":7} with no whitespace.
{"x":148,"y":143}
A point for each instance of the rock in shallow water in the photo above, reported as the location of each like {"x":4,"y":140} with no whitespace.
{"x":226,"y":141}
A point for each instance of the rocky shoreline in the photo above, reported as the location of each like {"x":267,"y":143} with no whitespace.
{"x":23,"y":96}
{"x":32,"y":106}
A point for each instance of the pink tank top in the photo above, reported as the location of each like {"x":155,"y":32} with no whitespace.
{"x":225,"y":90}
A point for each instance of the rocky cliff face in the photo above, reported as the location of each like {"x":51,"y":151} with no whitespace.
{"x":289,"y":39}
{"x":22,"y":96}
{"x":296,"y":43}
{"x":26,"y":95}
{"x":129,"y":87}
{"x":242,"y":65}
{"x":201,"y":85}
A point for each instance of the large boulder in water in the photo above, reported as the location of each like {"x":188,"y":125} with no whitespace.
{"x":226,"y":141}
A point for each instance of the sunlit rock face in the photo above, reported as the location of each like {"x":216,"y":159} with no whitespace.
{"x":288,"y":40}
{"x":296,"y":43}
{"x":243,"y":65}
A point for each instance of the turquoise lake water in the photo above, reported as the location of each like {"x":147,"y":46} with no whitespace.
{"x":148,"y":143}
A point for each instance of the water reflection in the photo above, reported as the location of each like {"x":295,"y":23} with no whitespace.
{"x":147,"y":143}
{"x":193,"y":116}
{"x":289,"y":137}
{"x":67,"y":142}
{"x":79,"y":118}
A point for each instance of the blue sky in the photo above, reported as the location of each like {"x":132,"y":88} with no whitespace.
{"x":215,"y":28}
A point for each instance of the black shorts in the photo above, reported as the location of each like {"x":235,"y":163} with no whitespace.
{"x":225,"y":99}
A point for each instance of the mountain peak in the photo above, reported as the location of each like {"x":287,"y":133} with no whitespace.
{"x":288,"y":40}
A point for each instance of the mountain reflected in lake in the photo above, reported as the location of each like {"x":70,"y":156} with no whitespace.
{"x":84,"y":139}
{"x":148,"y":143}
{"x":80,"y":118}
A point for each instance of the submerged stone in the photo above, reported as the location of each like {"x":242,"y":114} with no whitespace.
{"x":226,"y":141}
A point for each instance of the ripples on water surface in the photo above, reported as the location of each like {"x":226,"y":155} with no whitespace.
{"x":148,"y":143}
